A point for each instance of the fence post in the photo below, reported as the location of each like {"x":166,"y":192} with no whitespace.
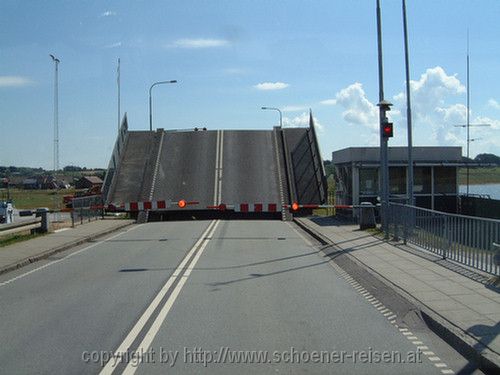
{"x":396,"y":212}
{"x":447,"y":237}
{"x":405,"y":222}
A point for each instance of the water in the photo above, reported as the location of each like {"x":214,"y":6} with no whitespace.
{"x":493,"y":190}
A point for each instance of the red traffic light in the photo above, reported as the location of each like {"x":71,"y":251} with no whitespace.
{"x":387,"y":130}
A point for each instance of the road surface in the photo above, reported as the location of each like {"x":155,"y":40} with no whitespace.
{"x":254,"y":296}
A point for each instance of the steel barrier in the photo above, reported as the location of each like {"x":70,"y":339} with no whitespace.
{"x":86,"y":209}
{"x":465,"y":239}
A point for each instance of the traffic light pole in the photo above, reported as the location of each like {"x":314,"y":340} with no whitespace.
{"x":383,"y":108}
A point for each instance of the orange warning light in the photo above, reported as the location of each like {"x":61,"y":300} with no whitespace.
{"x":295,"y":206}
{"x":182,"y":203}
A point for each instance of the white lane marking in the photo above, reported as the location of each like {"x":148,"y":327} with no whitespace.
{"x":384,"y":311}
{"x":127,"y":342}
{"x":157,"y":166}
{"x":153,"y":330}
{"x":216,"y":184}
{"x":61,"y":230}
{"x":301,"y":236}
{"x":221,"y":158}
{"x":280,"y":181}
{"x":66,"y":257}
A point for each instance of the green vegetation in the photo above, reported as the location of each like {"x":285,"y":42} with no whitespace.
{"x":14,"y":238}
{"x":27,"y":199}
{"x":486,"y":175}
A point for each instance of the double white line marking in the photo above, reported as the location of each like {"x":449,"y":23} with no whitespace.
{"x":181,"y":272}
{"x":219,"y":148}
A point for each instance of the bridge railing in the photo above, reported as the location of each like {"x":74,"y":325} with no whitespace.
{"x":464,"y":239}
{"x":87,"y":209}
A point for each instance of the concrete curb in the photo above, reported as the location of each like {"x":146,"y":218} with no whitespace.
{"x":468,"y":346}
{"x":47,"y":253}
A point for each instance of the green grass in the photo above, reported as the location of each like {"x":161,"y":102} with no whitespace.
{"x":14,"y":238}
{"x":489,"y":175}
{"x":27,"y":199}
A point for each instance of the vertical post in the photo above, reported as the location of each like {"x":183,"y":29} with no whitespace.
{"x":468,"y":113}
{"x":150,"y":110}
{"x":118,"y":83}
{"x":408,"y":110}
{"x":383,"y":140}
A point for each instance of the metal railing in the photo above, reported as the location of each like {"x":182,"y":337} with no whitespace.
{"x":86,"y":209}
{"x":465,"y":239}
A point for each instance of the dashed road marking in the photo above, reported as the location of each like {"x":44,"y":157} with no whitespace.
{"x":391,"y":316}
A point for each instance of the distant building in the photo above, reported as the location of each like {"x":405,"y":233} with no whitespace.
{"x":30,"y":183}
{"x":435,"y":175}
{"x":87,"y":182}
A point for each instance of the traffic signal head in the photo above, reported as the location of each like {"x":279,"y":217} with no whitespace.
{"x":387,"y":130}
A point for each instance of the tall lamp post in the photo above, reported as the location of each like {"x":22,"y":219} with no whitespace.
{"x":56,"y":113}
{"x":150,"y":101}
{"x":411,"y":199}
{"x":56,"y":130}
{"x":275,"y":109}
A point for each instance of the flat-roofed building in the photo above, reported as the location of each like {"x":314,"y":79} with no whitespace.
{"x":435,"y":175}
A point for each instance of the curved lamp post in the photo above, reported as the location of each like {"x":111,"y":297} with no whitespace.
{"x":150,"y":101}
{"x":276,"y":109}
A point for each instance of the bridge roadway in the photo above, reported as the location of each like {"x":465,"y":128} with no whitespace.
{"x":187,"y":288}
{"x":213,"y":167}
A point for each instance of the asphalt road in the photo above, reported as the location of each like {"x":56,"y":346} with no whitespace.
{"x":250,"y":173}
{"x":186,"y":169}
{"x":201,"y":289}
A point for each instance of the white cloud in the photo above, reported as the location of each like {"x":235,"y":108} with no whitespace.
{"x":15,"y":81}
{"x":455,"y":114}
{"x":271,"y":86}
{"x":301,"y":121}
{"x":494,"y":104}
{"x":358,"y":109}
{"x":329,"y":102}
{"x":431,"y":91}
{"x":199,"y":43}
{"x":108,"y":13}
{"x":294,"y":108}
{"x":433,"y":109}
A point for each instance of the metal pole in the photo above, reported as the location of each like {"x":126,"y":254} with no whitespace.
{"x":56,"y":131}
{"x":150,"y":101}
{"x":56,"y":112}
{"x":118,"y":83}
{"x":383,"y":140}
{"x":276,"y":109}
{"x":408,"y":111}
{"x":468,"y":113}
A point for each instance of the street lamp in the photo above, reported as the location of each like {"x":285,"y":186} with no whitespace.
{"x":276,"y":109}
{"x":56,"y":113}
{"x":150,"y":102}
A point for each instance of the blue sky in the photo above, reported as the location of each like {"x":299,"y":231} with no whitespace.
{"x":233,"y":57}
